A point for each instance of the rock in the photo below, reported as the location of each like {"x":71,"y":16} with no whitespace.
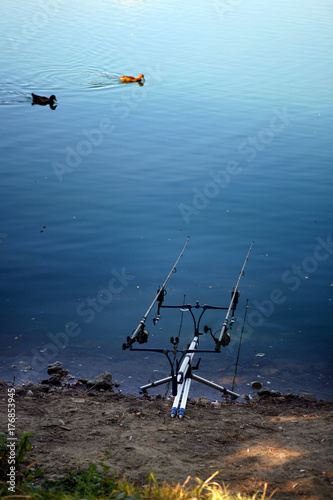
{"x":256,"y":385}
{"x":24,"y":366}
{"x":264,"y":393}
{"x":41,"y":388}
{"x":21,"y":390}
{"x":102,"y":381}
{"x":290,"y":395}
{"x":55,"y":379}
{"x":82,"y":380}
{"x":308,"y":397}
{"x":56,"y":368}
{"x":202,"y":401}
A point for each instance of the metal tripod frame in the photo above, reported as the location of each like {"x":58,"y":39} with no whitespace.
{"x":183,"y":375}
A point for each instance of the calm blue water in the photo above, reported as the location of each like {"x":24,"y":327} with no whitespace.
{"x":228,"y":141}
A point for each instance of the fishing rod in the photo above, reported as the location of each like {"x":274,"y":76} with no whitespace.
{"x":224,"y":337}
{"x":140,"y":334}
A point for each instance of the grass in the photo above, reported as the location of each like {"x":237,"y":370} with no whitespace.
{"x":23,"y":447}
{"x":97,"y":482}
{"x":93,"y":484}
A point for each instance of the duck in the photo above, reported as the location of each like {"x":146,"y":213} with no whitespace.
{"x":43,"y":101}
{"x":130,"y":79}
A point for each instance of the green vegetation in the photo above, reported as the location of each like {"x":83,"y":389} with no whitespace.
{"x":23,"y":447}
{"x":98,"y":483}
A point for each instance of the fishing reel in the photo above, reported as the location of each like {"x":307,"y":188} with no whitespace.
{"x":143,"y":336}
{"x":225,"y":339}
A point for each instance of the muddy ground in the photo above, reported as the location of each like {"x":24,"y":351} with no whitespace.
{"x":283,"y":441}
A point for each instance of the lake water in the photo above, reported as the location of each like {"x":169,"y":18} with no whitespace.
{"x":229,"y":140}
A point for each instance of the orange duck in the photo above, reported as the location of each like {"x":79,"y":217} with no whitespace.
{"x":130,"y":79}
{"x":43,"y":101}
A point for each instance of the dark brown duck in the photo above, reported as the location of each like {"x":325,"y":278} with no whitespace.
{"x":43,"y":101}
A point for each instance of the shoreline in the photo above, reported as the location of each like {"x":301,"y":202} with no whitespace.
{"x":283,"y":441}
{"x":319,"y":387}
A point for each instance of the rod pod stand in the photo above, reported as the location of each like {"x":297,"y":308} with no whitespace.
{"x":183,"y":375}
{"x":181,"y":380}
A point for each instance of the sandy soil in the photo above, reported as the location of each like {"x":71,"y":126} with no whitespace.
{"x":285,"y":442}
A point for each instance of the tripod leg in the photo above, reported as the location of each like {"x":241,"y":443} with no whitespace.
{"x":176,"y":401}
{"x":155,"y":384}
{"x":214,"y":386}
{"x":184,"y":398}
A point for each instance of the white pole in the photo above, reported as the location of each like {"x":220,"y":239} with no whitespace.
{"x":184,"y":398}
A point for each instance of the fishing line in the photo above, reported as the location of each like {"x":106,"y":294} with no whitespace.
{"x":240,"y":341}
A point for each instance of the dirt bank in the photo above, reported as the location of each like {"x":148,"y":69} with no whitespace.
{"x":284,"y":441}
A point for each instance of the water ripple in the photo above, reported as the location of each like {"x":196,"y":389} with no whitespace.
{"x":8,"y":97}
{"x":46,"y":81}
{"x":71,"y":78}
